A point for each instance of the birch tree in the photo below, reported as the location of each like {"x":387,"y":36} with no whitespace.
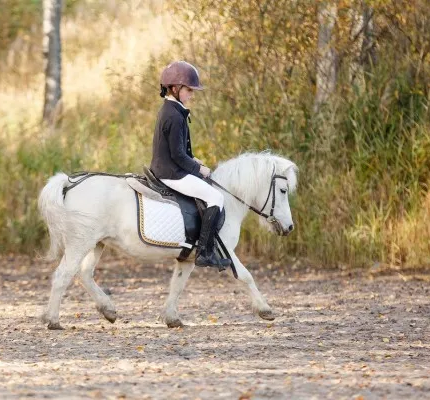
{"x":356,"y":71}
{"x":52,"y":57}
{"x":326,"y":75}
{"x":368,"y":51}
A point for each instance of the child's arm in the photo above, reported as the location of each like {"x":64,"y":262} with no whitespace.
{"x":178,"y":153}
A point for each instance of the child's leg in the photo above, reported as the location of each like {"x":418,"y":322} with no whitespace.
{"x":192,"y":186}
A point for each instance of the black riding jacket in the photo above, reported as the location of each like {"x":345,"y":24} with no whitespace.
{"x":172,"y":157}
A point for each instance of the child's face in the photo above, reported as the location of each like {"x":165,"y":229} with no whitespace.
{"x":186,"y":94}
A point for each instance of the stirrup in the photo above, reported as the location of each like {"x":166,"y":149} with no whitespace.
{"x":212,"y":261}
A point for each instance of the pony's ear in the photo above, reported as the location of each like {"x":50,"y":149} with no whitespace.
{"x":293,"y":167}
{"x":291,"y":174}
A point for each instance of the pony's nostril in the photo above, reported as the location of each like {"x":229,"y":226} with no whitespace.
{"x":290,"y":228}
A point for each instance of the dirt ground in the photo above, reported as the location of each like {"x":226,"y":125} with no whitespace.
{"x":337,"y":335}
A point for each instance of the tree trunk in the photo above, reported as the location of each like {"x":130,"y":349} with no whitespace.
{"x":52,"y":56}
{"x":327,"y":55}
{"x":356,"y":71}
{"x":368,"y":50}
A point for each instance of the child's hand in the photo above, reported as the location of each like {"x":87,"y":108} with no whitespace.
{"x":205,"y":171}
{"x":199,"y":161}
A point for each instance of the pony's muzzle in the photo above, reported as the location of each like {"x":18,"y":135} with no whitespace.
{"x":287,"y":231}
{"x":278,"y":228}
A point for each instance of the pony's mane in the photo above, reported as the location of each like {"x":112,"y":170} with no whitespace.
{"x":249,"y":171}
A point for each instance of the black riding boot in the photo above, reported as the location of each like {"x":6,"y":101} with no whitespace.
{"x":205,"y":254}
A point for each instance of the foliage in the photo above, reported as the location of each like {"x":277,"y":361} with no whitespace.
{"x":364,"y":159}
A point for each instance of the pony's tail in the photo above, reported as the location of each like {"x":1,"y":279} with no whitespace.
{"x":51,"y":206}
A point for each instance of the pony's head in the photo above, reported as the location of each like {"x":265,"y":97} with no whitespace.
{"x":263,"y":181}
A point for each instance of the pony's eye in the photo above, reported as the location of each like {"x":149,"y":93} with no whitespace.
{"x":283,"y":191}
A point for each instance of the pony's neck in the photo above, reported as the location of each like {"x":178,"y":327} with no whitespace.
{"x":235,"y":213}
{"x":234,"y":207}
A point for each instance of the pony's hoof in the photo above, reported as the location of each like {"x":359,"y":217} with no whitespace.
{"x":55,"y":326}
{"x":110,"y":315}
{"x":267,"y":315}
{"x":175,"y":323}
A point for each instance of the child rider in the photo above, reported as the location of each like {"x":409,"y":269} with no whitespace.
{"x":173,"y":161}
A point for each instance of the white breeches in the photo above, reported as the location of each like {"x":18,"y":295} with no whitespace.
{"x":192,"y":186}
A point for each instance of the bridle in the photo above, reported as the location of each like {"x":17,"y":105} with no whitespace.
{"x":269,"y":217}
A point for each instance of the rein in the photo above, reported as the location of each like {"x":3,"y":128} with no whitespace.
{"x":270,"y":218}
{"x":239,"y":199}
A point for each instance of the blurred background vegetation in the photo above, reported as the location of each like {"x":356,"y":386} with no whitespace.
{"x":363,"y":150}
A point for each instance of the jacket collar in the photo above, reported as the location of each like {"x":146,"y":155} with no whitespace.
{"x":172,"y":98}
{"x":179,"y":106}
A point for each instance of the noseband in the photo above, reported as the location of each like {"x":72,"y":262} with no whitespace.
{"x":269,"y":217}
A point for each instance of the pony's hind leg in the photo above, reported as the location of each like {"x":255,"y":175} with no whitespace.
{"x":103,"y":302}
{"x":179,"y":279}
{"x":62,"y":276}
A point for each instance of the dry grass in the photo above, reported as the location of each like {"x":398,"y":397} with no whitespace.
{"x":409,"y":237}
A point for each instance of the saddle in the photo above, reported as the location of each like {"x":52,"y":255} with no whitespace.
{"x":191,"y":208}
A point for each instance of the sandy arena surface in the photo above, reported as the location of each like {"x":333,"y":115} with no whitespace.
{"x":337,"y":335}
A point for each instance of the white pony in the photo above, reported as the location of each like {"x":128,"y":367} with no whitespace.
{"x":101,"y":211}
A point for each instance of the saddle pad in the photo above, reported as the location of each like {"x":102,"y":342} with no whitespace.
{"x":160,"y":224}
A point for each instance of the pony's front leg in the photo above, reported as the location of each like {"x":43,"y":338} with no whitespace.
{"x":259,"y":304}
{"x":179,"y":279}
